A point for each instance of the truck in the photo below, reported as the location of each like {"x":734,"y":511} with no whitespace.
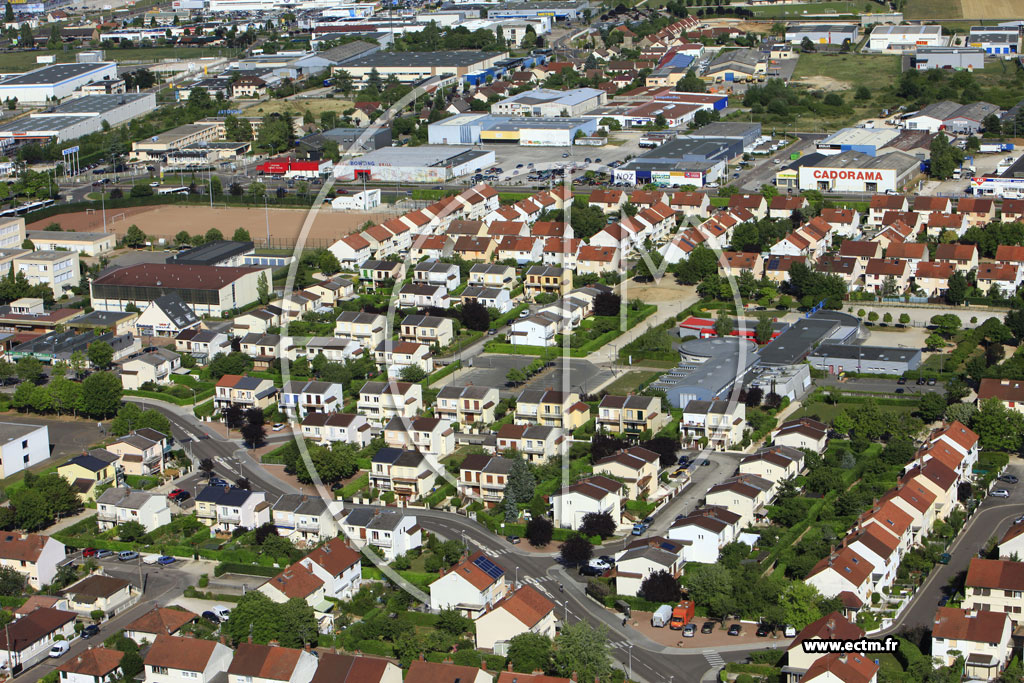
{"x":661,"y":616}
{"x":682,"y":614}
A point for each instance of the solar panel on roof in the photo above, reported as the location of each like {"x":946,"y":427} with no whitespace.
{"x":666,"y":546}
{"x":486,"y":566}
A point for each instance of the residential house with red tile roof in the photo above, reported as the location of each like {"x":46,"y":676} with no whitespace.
{"x":1009,"y":391}
{"x":1009,"y":255}
{"x":35,"y":556}
{"x":680,"y":247}
{"x":863,"y":251}
{"x":851,"y":270}
{"x":254,"y":663}
{"x":833,"y":626}
{"x":526,"y":610}
{"x":962,"y":439}
{"x":932,"y":277}
{"x":783,"y":206}
{"x":157,"y":621}
{"x":981,"y":637}
{"x":695,"y":204}
{"x":608,"y":200}
{"x":421,"y":671}
{"x":94,"y":665}
{"x":473,"y":586}
{"x":979,"y":210}
{"x":881,"y":203}
{"x":842,"y":668}
{"x":173,"y":658}
{"x":338,"y":668}
{"x":636,"y":467}
{"x":844,"y":222}
{"x":841,"y":571}
{"x":1007,"y":277}
{"x":431,"y":247}
{"x":879,"y":271}
{"x":995,"y":586}
{"x":735,"y":262}
{"x":938,"y":224}
{"x":597,"y":260}
{"x":963,"y":257}
{"x":1012,"y":211}
{"x":756,"y":204}
{"x":561,"y":251}
{"x":925,"y":205}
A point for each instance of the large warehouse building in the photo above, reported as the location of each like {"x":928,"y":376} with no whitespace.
{"x":865,"y":140}
{"x":77,"y":117}
{"x":411,"y":67}
{"x":888,"y":38}
{"x":208,"y":290}
{"x":859,"y":173}
{"x":471,"y":129}
{"x":543,"y":102}
{"x":823,"y":34}
{"x":426,"y":164}
{"x":875,"y":360}
{"x":956,"y":58}
{"x":55,"y":81}
{"x":681,"y":161}
{"x":571,"y":10}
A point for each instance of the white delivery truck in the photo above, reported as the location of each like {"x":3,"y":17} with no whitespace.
{"x":661,"y":616}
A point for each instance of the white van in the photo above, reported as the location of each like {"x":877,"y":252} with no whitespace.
{"x":661,"y":616}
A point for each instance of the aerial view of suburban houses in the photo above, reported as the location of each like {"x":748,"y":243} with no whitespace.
{"x":574,"y":341}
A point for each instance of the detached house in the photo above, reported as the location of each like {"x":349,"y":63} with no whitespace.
{"x":423,"y":296}
{"x":842,"y":572}
{"x":471,"y":407}
{"x":118,"y":505}
{"x":882,"y":203}
{"x":704,"y":532}
{"x":637,"y":467}
{"x":595,"y":494}
{"x":484,"y":477}
{"x":754,"y":203}
{"x":551,"y":408}
{"x":394,"y":357}
{"x":535,"y":442}
{"x":254,"y":663}
{"x":880,"y":270}
{"x":933,"y":278}
{"x":326,"y":428}
{"x":365,"y":328}
{"x":406,"y":473}
{"x":391,"y":532}
{"x":524,"y":611}
{"x":633,"y":414}
{"x":719,"y":424}
{"x":381,"y":401}
{"x":430,"y":272}
{"x":244,"y":392}
{"x":33,"y":555}
{"x":172,"y":659}
{"x":745,"y":494}
{"x":830,"y":627}
{"x":431,"y":436}
{"x":803,"y":432}
{"x":432,"y":330}
{"x":547,"y":280}
{"x":226,"y":508}
{"x":643,"y":558}
{"x":304,"y":519}
{"x":299,"y":398}
{"x":995,"y":586}
{"x":472,"y":587}
{"x":979,"y":210}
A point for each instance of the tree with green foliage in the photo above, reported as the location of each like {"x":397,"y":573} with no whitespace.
{"x":134,"y":238}
{"x":724,"y":325}
{"x":576,"y":550}
{"x":131,"y":531}
{"x":529,"y":652}
{"x":12,"y":582}
{"x":998,"y":427}
{"x":945,"y":158}
{"x":659,"y":586}
{"x":956,"y":289}
{"x":763,"y":330}
{"x":291,"y":624}
{"x":29,"y":369}
{"x":539,"y":531}
{"x":101,"y":394}
{"x":100,"y":354}
{"x":932,"y":406}
{"x":946,"y":324}
{"x":263,"y":289}
{"x":800,"y":604}
{"x":581,"y":650}
{"x":241,"y":235}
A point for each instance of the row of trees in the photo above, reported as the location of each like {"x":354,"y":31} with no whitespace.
{"x":97,"y":396}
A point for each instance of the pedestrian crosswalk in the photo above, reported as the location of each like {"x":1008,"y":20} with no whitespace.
{"x":714,"y":659}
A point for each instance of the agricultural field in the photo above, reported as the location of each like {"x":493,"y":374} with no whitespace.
{"x":988,"y":10}
{"x":848,"y":7}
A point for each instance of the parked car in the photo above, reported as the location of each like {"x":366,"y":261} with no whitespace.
{"x":217,"y":481}
{"x":514,"y":540}
{"x":735,"y":630}
{"x":1009,"y":479}
{"x":1000,"y":493}
{"x":89,"y":552}
{"x":944,"y":558}
{"x":708,"y":627}
{"x":689,"y":631}
{"x":102,"y":552}
{"x":211,"y":617}
{"x":166,"y":559}
{"x":920,"y":381}
{"x":931,"y":381}
{"x":277,"y":427}
{"x":221,"y":611}
{"x":608,"y":559}
{"x":59,"y":648}
{"x":176,"y":494}
{"x":763,"y":630}
{"x":127,"y":555}
{"x":587,"y":570}
{"x":901,"y":380}
{"x":789,"y":631}
{"x":599,"y":563}
{"x":90,"y":631}
{"x":182,"y":497}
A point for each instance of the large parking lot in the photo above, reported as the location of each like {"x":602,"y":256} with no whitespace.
{"x":623,"y":144}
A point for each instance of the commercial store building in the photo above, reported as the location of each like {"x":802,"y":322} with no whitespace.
{"x":208,"y":290}
{"x":823,"y":34}
{"x":292,"y":168}
{"x":956,"y":58}
{"x":551,"y":103}
{"x":950,"y":116}
{"x":568,"y":10}
{"x":410,"y":67}
{"x":88,"y":243}
{"x":876,"y":360}
{"x":77,"y":117}
{"x":682,"y":161}
{"x":889,"y":38}
{"x":349,"y":140}
{"x":426,"y":164}
{"x":55,"y":81}
{"x":471,"y":129}
{"x":174,"y":140}
{"x":859,"y":173}
{"x":995,"y":40}
{"x":746,"y":133}
{"x":865,"y":140}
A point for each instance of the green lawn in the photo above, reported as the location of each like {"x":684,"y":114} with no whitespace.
{"x":853,"y":69}
{"x":630,"y":381}
{"x":831,"y":7}
{"x":827,"y":413}
{"x":932,"y":9}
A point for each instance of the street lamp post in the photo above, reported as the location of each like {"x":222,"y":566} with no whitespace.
{"x":266,"y":210}
{"x":630,"y":650}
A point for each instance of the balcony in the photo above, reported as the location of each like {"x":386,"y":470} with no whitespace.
{"x":381,"y":542}
{"x":229,"y":518}
{"x":308,"y":525}
{"x":108,"y":516}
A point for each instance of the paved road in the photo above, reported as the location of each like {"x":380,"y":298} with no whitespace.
{"x":881,"y":386}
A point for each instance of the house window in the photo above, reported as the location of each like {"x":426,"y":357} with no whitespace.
{"x":159,"y":670}
{"x":24,"y":444}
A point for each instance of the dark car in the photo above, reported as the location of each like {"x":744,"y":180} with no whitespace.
{"x":901,"y":380}
{"x":211,"y":617}
{"x":944,"y":558}
{"x":166,"y":559}
{"x":90,"y":631}
{"x":920,"y":381}
{"x":587,"y":570}
{"x":763,"y":630}
{"x":901,"y":390}
{"x":217,"y":481}
{"x":708,"y":627}
{"x":735,"y":629}
{"x":512,"y":539}
{"x":931,"y":381}
{"x":607,"y":559}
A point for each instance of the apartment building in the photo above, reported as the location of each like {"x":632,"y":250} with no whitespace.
{"x":58,"y":270}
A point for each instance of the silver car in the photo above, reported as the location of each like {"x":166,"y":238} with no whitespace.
{"x":689,"y":631}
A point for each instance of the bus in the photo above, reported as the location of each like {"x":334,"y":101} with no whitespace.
{"x":172,"y":190}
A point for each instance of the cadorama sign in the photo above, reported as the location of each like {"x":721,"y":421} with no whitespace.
{"x":831,"y":174}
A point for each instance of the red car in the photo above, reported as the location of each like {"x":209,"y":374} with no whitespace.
{"x":89,"y":552}
{"x":177,"y":493}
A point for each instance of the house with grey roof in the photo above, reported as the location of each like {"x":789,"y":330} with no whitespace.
{"x":155,"y":366}
{"x":304,"y":518}
{"x":643,"y":558}
{"x":299,"y":398}
{"x":166,"y":316}
{"x":118,"y":505}
{"x":391,"y":532}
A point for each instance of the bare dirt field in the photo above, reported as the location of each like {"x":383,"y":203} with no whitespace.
{"x":991,"y":9}
{"x":824,"y":83}
{"x":167,"y":221}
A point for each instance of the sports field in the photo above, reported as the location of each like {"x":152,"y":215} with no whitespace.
{"x":167,"y":221}
{"x":792,"y":11}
